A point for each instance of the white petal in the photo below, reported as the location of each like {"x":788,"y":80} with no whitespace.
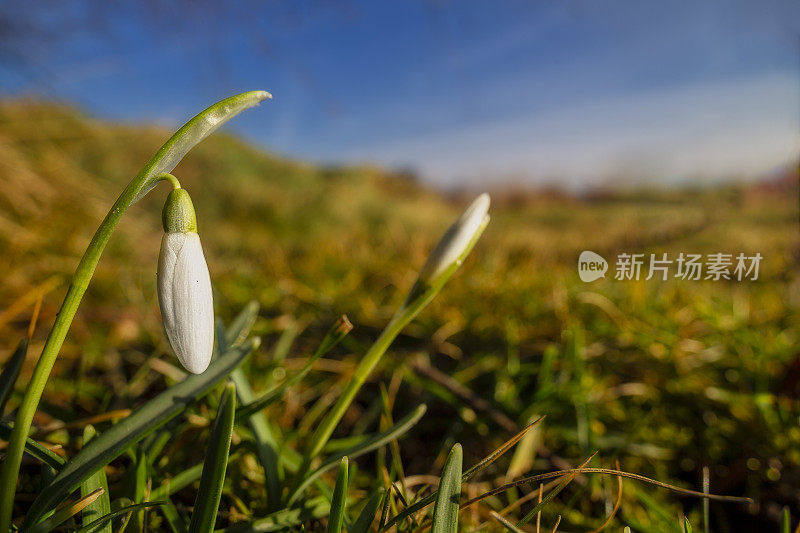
{"x":456,"y":240}
{"x":184,"y":295}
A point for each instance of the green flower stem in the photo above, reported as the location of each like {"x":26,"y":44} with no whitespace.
{"x":172,"y":179}
{"x":420,"y":295}
{"x":206,"y":503}
{"x":324,"y":431}
{"x":194,"y":131}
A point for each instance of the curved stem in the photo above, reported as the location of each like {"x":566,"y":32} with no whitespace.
{"x":170,"y":178}
{"x":154,"y":171}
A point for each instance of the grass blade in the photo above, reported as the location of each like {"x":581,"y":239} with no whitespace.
{"x":183,"y":479}
{"x":614,"y":510}
{"x":492,"y":457}
{"x":608,"y":471}
{"x":385,"y":504}
{"x":706,"y":501}
{"x":174,"y":520}
{"x":505,"y":523}
{"x":207,"y":502}
{"x":525,"y":454}
{"x":65,"y":513}
{"x":140,"y":488}
{"x":469,"y":474}
{"x":112,"y":443}
{"x":657,"y":510}
{"x":338,"y":332}
{"x":336,"y":518}
{"x":285,"y":519}
{"x":11,"y":372}
{"x":266,"y":444}
{"x":155,"y":444}
{"x":445,"y":511}
{"x":552,"y":494}
{"x":98,"y":524}
{"x":786,"y":521}
{"x":367,"y":515}
{"x":240,"y":327}
{"x":101,"y":506}
{"x":334,"y":336}
{"x":35,"y":450}
{"x":376,"y":441}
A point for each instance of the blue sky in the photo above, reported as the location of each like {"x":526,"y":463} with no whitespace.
{"x":465,"y":92}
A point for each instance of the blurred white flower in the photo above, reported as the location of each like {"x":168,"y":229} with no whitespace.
{"x":457,"y":240}
{"x":184,"y":286}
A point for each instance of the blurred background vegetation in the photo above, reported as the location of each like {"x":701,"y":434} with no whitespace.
{"x":666,"y":376}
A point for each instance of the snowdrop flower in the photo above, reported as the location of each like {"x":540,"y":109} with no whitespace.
{"x":457,"y":240}
{"x":184,"y":285}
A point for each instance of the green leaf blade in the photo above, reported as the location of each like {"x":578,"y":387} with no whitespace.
{"x":107,"y":519}
{"x":35,"y":450}
{"x":208,"y":496}
{"x":339,"y":500}
{"x":64,"y":513}
{"x":786,"y":521}
{"x":192,"y":133}
{"x":98,"y":480}
{"x":10,"y":373}
{"x":445,"y":511}
{"x":240,"y":327}
{"x":367,"y":515}
{"x":265,"y":441}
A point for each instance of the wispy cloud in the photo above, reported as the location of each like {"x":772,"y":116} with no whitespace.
{"x":724,"y":128}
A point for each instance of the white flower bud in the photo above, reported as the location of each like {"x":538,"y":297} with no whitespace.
{"x":457,"y":240}
{"x":184,"y":286}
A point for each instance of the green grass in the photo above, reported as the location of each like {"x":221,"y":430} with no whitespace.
{"x":667,"y":377}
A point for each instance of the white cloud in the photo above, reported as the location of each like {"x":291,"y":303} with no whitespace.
{"x":736,"y":127}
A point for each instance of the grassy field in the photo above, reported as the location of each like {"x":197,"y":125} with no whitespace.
{"x":668,"y":377}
